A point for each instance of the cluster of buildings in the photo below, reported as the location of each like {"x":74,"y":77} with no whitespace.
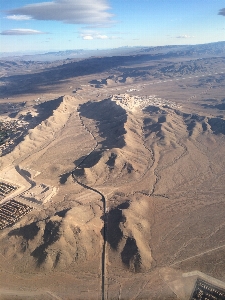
{"x":11,"y":212}
{"x":5,"y":189}
{"x":205,"y":290}
{"x":8,"y":130}
{"x":129,"y":102}
{"x":39,"y":194}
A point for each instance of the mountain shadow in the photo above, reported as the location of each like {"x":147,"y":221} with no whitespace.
{"x":130,"y":255}
{"x":110,"y":120}
{"x":51,"y":235}
{"x":112,"y":225}
{"x":217,"y":106}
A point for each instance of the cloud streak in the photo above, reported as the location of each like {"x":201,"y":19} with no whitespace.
{"x":18,"y":17}
{"x":185,"y":36}
{"x":222,"y":12}
{"x":68,"y":11}
{"x":96,"y":36}
{"x":21,"y":31}
{"x":87,"y":37}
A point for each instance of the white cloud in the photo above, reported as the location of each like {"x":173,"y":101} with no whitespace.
{"x":185,"y":36}
{"x":101,"y":37}
{"x":93,"y":36}
{"x":68,"y":11}
{"x":19,"y":17}
{"x":20,"y":31}
{"x":89,"y":34}
{"x":87,"y":37}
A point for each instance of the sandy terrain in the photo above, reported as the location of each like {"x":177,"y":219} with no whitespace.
{"x":126,"y":179}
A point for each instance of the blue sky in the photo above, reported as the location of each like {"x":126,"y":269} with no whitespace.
{"x":34,"y":25}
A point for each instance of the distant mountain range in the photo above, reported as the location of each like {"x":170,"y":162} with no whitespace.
{"x":216,"y":49}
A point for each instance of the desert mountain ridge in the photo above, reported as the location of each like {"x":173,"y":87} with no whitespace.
{"x":112,"y":177}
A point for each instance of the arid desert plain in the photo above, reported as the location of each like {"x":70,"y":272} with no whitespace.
{"x":112,"y":175}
